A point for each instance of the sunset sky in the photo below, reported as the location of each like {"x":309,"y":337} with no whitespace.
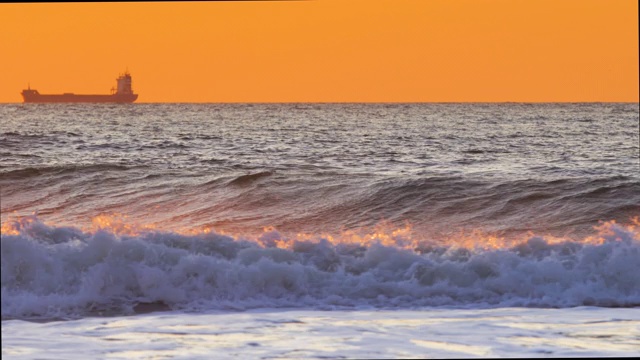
{"x":326,"y":50}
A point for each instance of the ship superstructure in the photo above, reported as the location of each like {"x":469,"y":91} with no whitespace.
{"x":123,"y":93}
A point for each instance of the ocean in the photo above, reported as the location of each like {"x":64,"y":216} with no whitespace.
{"x":320,"y":230}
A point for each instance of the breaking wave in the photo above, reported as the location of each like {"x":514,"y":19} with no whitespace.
{"x":65,"y":272}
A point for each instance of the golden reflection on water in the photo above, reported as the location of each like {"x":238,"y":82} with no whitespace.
{"x":384,"y":233}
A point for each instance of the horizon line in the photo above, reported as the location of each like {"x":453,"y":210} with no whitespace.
{"x":343,"y":102}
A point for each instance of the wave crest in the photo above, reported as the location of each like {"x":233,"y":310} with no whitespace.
{"x":50,"y":271}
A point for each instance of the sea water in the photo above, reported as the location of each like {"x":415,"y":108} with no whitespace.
{"x":319,"y":230}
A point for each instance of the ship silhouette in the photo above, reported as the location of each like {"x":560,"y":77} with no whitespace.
{"x":122,"y":94}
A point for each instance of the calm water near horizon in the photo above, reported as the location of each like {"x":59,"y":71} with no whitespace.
{"x":359,"y":230}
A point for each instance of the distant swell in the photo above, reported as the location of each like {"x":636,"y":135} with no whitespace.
{"x":65,"y":272}
{"x":249,"y":178}
{"x":36,"y":172}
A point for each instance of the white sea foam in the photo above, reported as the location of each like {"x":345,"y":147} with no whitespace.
{"x":50,"y":272}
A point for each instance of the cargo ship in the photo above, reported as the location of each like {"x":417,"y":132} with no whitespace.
{"x":122,"y":94}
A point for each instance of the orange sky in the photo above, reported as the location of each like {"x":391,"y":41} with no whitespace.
{"x":326,"y":50}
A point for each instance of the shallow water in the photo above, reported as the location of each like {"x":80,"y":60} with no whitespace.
{"x":371,"y":334}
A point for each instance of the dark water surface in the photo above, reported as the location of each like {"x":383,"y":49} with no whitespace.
{"x":323,"y":167}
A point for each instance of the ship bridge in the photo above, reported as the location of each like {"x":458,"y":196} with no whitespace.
{"x":124,"y":84}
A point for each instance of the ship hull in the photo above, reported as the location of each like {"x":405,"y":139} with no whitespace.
{"x":75,"y":98}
